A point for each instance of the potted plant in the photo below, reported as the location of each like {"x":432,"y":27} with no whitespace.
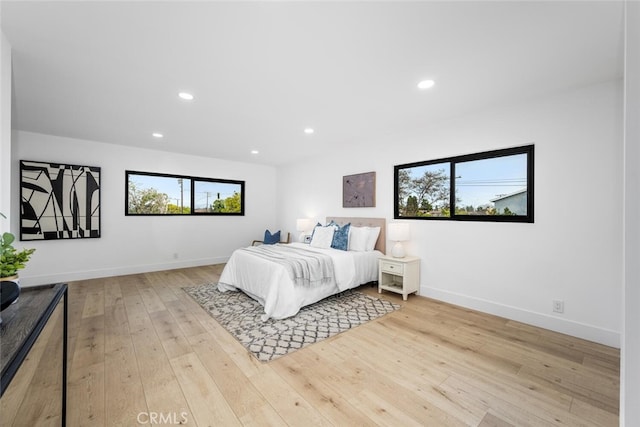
{"x":11,"y":260}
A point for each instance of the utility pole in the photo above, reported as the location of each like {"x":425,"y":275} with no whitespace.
{"x":208,"y":193}
{"x":181,"y":195}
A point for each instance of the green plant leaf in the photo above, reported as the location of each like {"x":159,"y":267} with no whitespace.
{"x":7,"y":239}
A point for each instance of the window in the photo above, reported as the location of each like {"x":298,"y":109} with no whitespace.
{"x":491,"y":186}
{"x":161,"y":194}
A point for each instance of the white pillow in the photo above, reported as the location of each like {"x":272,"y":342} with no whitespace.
{"x":358,"y":237}
{"x":322,"y":237}
{"x":372,"y":238}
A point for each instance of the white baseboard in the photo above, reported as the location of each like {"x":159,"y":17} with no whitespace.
{"x":116,"y":271}
{"x":569,"y":327}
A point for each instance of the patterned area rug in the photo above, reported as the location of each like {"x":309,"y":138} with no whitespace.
{"x":240,"y":315}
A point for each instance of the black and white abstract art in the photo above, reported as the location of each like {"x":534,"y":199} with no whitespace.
{"x":59,"y":201}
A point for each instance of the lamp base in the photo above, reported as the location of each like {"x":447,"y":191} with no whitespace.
{"x":398,"y":250}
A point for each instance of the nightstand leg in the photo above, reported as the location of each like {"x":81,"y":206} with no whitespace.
{"x":404,"y":296}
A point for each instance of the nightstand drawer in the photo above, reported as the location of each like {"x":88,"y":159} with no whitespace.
{"x":391,"y":267}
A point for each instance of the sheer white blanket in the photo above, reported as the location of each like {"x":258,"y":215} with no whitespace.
{"x":305,"y":267}
{"x":271,"y":284}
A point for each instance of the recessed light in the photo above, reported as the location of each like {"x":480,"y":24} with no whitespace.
{"x":255,"y":152}
{"x":426,"y":84}
{"x":186,"y":96}
{"x":308,"y":131}
{"x":157,"y":135}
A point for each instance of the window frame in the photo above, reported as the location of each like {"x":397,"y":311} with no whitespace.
{"x":452,"y":161}
{"x":193,"y":182}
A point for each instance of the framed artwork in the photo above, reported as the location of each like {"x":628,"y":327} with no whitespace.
{"x":359,"y":191}
{"x":59,"y":201}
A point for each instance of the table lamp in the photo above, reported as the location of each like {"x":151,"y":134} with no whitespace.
{"x":303,"y":225}
{"x":398,"y":233}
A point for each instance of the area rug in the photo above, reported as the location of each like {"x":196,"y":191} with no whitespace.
{"x":240,"y":315}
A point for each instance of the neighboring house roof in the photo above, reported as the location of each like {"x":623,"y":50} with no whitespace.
{"x":506,"y":196}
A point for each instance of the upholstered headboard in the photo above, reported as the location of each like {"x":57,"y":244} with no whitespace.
{"x":381,"y":244}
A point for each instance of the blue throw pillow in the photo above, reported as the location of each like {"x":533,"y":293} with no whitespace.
{"x":341,"y":236}
{"x":271,"y":239}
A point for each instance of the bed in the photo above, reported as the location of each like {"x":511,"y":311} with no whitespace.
{"x":265,"y":273}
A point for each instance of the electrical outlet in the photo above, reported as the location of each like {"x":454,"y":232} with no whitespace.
{"x":558,"y":306}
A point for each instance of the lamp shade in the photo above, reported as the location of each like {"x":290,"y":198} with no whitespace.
{"x":303,"y":224}
{"x":398,"y":232}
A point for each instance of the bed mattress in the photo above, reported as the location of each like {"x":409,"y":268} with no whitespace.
{"x":271,"y":284}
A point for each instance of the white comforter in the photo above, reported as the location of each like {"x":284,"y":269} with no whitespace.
{"x":270,"y":284}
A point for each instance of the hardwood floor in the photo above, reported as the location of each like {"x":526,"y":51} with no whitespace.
{"x":140,"y":348}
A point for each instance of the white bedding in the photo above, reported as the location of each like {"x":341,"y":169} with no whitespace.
{"x":269,"y":282}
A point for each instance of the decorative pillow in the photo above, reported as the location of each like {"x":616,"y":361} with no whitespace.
{"x":358,"y":238}
{"x":271,"y":239}
{"x":340,"y":236}
{"x":314,"y":231}
{"x":322,"y":237}
{"x":374,"y":232}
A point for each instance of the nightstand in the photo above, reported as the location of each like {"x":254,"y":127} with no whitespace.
{"x":400,"y":275}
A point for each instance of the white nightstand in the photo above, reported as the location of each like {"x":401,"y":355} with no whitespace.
{"x":400,"y":275}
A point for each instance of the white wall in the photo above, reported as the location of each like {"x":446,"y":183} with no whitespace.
{"x":630,"y":372}
{"x":5,"y":130}
{"x":137,"y":244}
{"x":573,"y":250}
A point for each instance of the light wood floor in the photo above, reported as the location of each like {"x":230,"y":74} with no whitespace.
{"x":140,"y":347}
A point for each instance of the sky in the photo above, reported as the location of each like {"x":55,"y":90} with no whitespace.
{"x":479,"y":181}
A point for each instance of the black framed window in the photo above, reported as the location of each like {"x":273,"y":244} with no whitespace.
{"x":150,"y":193}
{"x":489,"y":186}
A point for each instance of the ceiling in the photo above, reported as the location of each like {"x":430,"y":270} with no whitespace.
{"x":262,"y":72}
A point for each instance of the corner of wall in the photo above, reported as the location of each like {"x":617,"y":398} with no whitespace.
{"x":630,"y":351}
{"x":5,"y":128}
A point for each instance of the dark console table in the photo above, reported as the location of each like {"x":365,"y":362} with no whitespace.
{"x":21,"y":326}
